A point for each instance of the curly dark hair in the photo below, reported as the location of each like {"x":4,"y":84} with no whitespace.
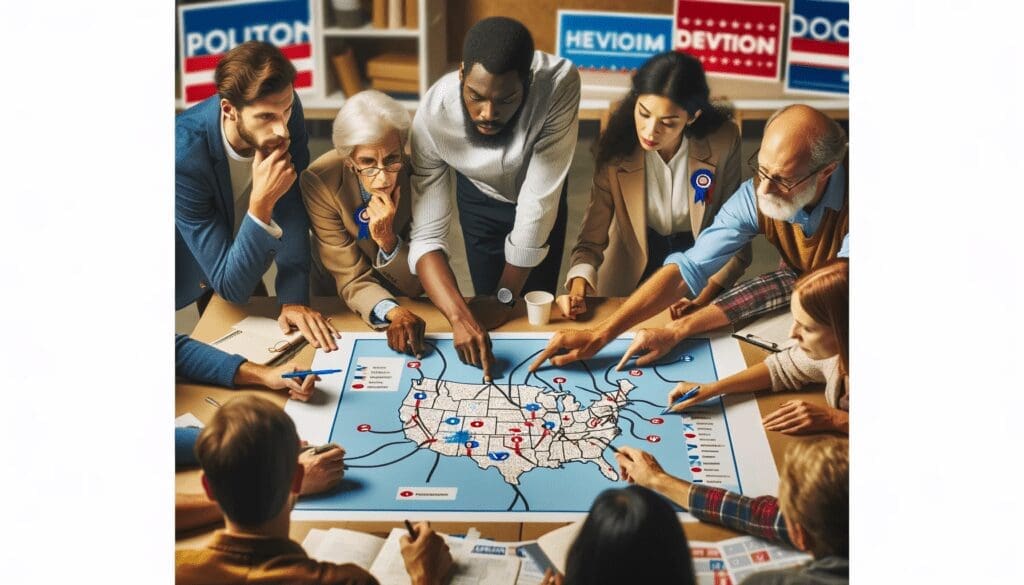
{"x":680,"y":78}
{"x":500,"y":45}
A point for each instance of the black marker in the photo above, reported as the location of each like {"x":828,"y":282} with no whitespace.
{"x":412,"y":532}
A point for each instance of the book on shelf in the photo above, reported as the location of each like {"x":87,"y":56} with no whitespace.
{"x":396,"y":11}
{"x":412,"y":14}
{"x":389,"y":84}
{"x":379,"y":12}
{"x":394,"y":66}
{"x":348,"y":72}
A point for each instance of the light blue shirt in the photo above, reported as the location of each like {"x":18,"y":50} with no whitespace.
{"x":736,"y":224}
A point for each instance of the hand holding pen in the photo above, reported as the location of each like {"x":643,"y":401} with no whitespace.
{"x":685,"y":395}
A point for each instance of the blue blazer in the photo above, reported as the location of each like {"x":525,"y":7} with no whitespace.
{"x":204,"y":363}
{"x":206,"y":254}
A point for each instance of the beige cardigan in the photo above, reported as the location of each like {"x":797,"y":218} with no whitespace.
{"x":330,"y":191}
{"x":613,"y":238}
{"x":792,"y":369}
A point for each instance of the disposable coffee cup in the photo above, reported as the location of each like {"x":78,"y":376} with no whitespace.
{"x":538,"y":306}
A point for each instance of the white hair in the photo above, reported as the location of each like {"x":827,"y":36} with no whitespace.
{"x":366,"y":118}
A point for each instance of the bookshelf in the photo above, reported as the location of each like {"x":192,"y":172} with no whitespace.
{"x":428,"y":41}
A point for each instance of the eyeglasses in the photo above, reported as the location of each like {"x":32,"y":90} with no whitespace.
{"x":779,"y":184}
{"x":373,"y":171}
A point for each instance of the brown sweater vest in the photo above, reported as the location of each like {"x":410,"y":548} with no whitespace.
{"x":804,"y":254}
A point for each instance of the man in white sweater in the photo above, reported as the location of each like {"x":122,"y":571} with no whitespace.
{"x":506,"y":123}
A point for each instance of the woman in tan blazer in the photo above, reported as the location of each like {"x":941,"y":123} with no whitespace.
{"x":357,"y":197}
{"x":665,"y":165}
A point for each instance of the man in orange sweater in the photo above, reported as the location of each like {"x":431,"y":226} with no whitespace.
{"x":797,"y":199}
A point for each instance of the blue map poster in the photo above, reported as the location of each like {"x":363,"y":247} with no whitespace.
{"x":427,"y":437}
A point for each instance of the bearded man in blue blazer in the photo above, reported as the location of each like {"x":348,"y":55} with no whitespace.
{"x":237,"y":204}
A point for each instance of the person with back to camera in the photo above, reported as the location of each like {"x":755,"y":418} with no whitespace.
{"x":248,"y":454}
{"x":821,"y":307}
{"x":357,"y":196}
{"x":665,"y":165}
{"x":630,"y":535}
{"x":811,"y":514}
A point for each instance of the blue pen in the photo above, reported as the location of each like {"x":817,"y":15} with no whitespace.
{"x":688,"y":395}
{"x":304,"y":373}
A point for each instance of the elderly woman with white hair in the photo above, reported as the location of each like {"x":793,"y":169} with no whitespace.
{"x":357,"y":196}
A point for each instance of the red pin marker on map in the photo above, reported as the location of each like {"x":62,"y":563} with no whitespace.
{"x":363,"y":428}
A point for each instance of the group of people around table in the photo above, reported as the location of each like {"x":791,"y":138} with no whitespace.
{"x":669,"y":225}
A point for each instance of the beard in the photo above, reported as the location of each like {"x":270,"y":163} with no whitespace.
{"x":780,"y":208}
{"x":504,"y":134}
{"x":266,"y":147}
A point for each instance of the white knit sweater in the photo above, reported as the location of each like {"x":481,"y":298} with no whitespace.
{"x":527,"y":170}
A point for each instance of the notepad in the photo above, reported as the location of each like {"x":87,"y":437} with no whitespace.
{"x":259,"y":340}
{"x":770,"y":332}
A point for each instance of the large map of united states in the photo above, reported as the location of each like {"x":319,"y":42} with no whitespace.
{"x":513,"y":427}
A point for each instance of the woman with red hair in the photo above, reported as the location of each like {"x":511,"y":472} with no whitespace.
{"x":821,"y":306}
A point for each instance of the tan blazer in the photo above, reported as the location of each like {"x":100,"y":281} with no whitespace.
{"x":330,"y":191}
{"x":613,"y":238}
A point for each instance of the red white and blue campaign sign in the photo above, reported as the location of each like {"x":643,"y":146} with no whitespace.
{"x":732,"y":39}
{"x":819,"y":46}
{"x":211,"y":29}
{"x":612,"y":41}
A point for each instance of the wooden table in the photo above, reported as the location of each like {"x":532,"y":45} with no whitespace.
{"x":220,"y":315}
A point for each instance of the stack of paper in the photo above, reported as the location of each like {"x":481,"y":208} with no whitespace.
{"x":383,"y":557}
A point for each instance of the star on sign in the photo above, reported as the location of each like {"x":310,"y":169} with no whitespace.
{"x":771,"y":27}
{"x":713,"y":59}
{"x":698,"y":21}
{"x":748,"y":62}
{"x":760,"y":26}
{"x":746,"y":26}
{"x":722,"y":23}
{"x":735,"y":61}
{"x":684,"y":20}
{"x":735,"y":24}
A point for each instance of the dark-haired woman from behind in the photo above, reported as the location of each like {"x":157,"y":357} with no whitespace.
{"x":665,"y":165}
{"x":631,"y":535}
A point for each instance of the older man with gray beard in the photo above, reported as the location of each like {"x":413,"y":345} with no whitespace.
{"x":798,"y":199}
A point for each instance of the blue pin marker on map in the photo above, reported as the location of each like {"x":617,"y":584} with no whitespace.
{"x":688,"y":395}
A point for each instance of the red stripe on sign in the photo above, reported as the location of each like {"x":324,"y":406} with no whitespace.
{"x":304,"y":79}
{"x":297,"y":51}
{"x":193,"y":64}
{"x":208,"y":62}
{"x":825,"y":47}
{"x":198,"y":93}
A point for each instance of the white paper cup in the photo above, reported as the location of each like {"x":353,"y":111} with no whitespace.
{"x":538,"y":306}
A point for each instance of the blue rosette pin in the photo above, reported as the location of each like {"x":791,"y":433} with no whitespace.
{"x":702,"y":180}
{"x":362,"y":217}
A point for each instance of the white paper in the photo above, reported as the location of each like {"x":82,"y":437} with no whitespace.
{"x":188,"y":420}
{"x":348,"y":546}
{"x":772,"y":328}
{"x":556,"y":544}
{"x":470,"y":568}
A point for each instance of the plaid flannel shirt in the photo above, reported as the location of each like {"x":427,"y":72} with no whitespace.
{"x":759,"y":295}
{"x":758,"y":517}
